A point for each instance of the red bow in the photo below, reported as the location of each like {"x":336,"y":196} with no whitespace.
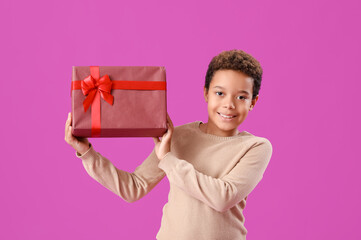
{"x":90,"y":86}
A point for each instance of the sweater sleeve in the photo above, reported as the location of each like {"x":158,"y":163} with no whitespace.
{"x":223,"y":193}
{"x":129,"y":186}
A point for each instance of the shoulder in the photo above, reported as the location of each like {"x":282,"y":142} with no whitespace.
{"x":265,"y":143}
{"x":189,"y":125}
{"x":185,"y":127}
{"x":184,"y":130}
{"x":257,"y":142}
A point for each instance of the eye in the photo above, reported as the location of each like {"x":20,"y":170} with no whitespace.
{"x":220,"y":93}
{"x":241,"y":97}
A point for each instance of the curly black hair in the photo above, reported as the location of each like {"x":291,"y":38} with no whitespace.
{"x":236,"y":60}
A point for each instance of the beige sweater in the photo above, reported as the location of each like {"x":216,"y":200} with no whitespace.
{"x":210,"y":178}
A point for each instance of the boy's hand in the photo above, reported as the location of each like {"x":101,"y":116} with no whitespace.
{"x":162,"y":147}
{"x":81,"y":145}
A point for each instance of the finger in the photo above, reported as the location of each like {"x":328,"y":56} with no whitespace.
{"x":70,"y":118}
{"x":67,"y":125}
{"x":170,"y":126}
{"x":167,"y":137}
{"x":70,"y":135}
{"x":66,"y":131}
{"x":170,"y":121}
{"x":169,"y":130}
{"x":67,"y":119}
{"x":156,"y":140}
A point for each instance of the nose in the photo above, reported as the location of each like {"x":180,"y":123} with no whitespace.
{"x":229,"y":104}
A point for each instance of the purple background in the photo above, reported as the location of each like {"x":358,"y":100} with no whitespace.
{"x":308,"y":108}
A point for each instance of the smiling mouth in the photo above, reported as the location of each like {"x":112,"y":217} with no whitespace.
{"x":225,"y":116}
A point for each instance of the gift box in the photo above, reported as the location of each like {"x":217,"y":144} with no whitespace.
{"x":119,"y":101}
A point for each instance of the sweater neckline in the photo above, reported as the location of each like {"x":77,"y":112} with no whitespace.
{"x":211,"y":136}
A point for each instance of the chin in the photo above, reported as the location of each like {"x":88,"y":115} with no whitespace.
{"x":227,"y":127}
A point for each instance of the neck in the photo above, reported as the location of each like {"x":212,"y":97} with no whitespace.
{"x":209,"y":130}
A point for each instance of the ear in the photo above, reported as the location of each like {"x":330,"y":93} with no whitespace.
{"x":205,"y":92}
{"x":253,"y":103}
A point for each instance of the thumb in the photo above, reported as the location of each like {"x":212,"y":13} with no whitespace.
{"x":156,"y":140}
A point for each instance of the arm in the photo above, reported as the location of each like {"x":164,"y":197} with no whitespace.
{"x":129,"y":186}
{"x":220,"y":193}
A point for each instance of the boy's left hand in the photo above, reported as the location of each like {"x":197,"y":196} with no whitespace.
{"x":162,"y":147}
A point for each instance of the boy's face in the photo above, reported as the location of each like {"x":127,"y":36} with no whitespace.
{"x":230,"y":94}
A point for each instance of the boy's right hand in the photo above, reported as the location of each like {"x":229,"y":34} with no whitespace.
{"x":81,"y":145}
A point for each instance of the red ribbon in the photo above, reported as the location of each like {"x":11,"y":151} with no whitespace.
{"x":91,"y":86}
{"x":95,"y":87}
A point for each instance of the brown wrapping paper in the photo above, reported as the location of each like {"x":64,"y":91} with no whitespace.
{"x":134,"y":113}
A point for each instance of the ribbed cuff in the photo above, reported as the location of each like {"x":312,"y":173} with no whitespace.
{"x":88,"y":154}
{"x":168,"y":162}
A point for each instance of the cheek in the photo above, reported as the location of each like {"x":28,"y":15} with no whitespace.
{"x":212,"y":105}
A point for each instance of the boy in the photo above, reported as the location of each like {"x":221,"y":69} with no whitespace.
{"x":211,"y":167}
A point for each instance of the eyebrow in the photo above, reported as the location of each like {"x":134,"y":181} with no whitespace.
{"x":240,"y":91}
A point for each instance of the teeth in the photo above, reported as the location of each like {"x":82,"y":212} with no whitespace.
{"x":225,"y":116}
